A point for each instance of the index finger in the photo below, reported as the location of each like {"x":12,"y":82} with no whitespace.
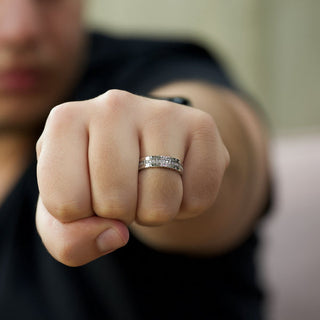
{"x":62,"y":169}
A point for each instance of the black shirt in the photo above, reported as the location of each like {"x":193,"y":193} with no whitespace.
{"x":134,"y":282}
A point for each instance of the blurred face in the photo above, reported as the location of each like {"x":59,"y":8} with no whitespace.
{"x":41,"y":52}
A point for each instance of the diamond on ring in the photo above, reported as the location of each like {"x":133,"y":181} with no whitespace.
{"x":161,"y":162}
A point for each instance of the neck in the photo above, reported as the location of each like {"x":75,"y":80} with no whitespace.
{"x":16,"y":151}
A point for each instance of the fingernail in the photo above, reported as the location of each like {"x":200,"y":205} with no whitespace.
{"x":109,"y":240}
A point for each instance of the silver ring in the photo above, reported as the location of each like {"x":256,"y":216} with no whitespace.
{"x":161,"y":162}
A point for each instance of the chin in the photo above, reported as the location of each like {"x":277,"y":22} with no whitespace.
{"x":23,"y":113}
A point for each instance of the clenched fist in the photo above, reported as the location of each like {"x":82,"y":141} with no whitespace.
{"x":91,"y":190}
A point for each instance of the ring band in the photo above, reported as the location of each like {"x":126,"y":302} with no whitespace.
{"x":161,"y":162}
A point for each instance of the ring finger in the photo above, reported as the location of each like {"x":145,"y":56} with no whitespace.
{"x":160,"y":190}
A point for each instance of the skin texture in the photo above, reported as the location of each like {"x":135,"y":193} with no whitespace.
{"x":91,"y":192}
{"x":41,"y":52}
{"x":208,"y":210}
{"x":42,"y":47}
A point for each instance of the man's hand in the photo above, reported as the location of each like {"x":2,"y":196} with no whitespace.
{"x":90,"y":188}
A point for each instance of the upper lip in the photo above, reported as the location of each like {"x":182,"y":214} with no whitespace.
{"x":10,"y":64}
{"x":18,"y":69}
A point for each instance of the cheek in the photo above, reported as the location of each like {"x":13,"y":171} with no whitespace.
{"x":29,"y":112}
{"x":66,"y":30}
{"x":59,"y":56}
{"x":65,"y":47}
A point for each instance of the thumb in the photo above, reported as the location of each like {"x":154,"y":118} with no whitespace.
{"x":79,"y":242}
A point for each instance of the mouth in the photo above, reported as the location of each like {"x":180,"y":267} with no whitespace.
{"x":20,"y":80}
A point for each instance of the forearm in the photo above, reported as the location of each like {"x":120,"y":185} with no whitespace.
{"x":244,"y":187}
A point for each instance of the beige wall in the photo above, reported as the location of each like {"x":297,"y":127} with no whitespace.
{"x":272,"y":47}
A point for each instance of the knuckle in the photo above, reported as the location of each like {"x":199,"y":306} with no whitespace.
{"x":60,"y":239}
{"x":160,"y":114}
{"x":210,"y":190}
{"x":61,"y":116}
{"x":112,"y":209}
{"x":61,"y":112}
{"x":205,"y":125}
{"x":61,"y":246}
{"x":65,"y":254}
{"x":115,"y":97}
{"x":204,"y":196}
{"x":65,"y":211}
{"x":155,"y":216}
{"x":113,"y":103}
{"x":163,"y":113}
{"x":198,"y":205}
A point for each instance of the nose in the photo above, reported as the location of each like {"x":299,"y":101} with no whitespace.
{"x":19,"y":23}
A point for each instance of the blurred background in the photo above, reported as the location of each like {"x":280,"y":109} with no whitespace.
{"x":272,"y":49}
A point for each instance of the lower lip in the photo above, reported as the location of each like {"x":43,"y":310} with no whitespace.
{"x":19,"y":81}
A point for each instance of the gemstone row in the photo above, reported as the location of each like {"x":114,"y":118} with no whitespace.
{"x":161,"y":162}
